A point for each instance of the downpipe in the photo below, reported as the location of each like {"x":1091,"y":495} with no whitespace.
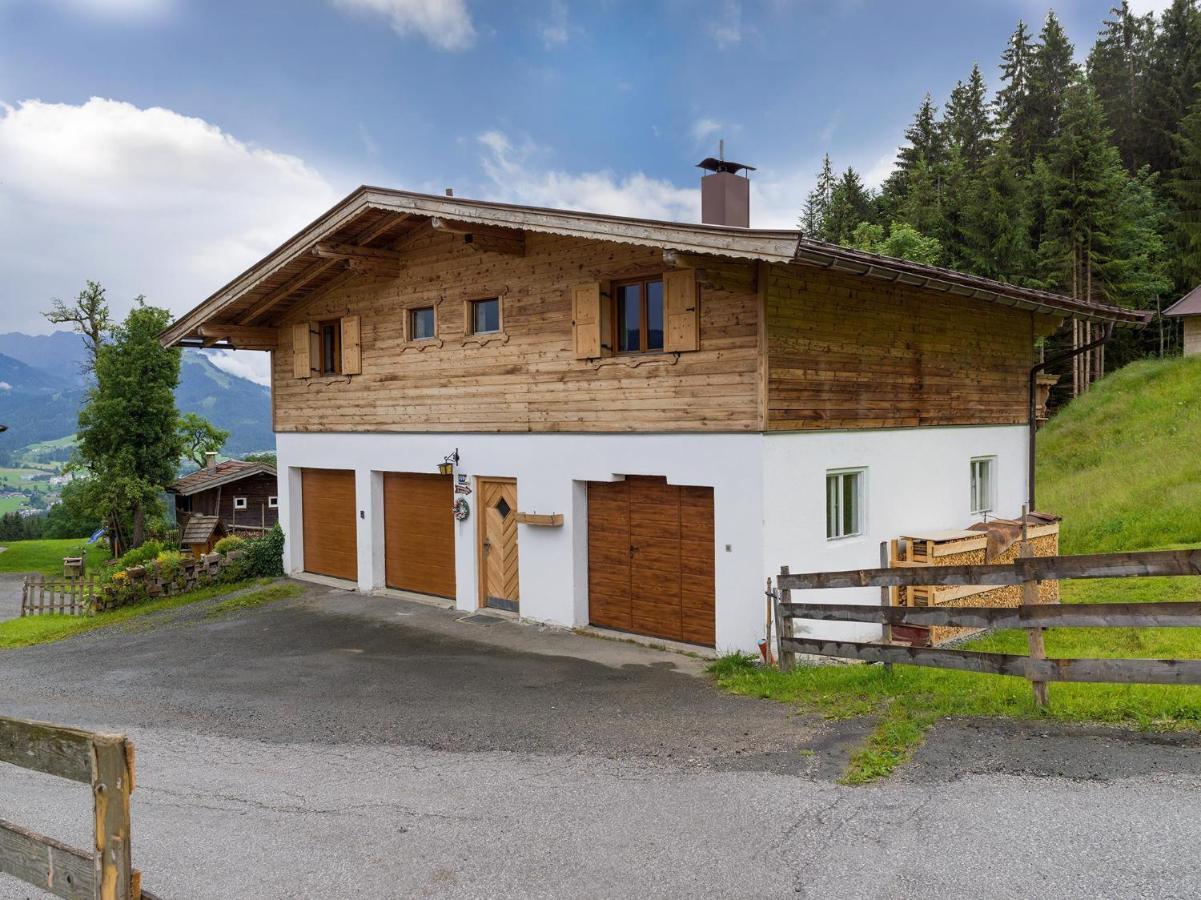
{"x":1032,"y":399}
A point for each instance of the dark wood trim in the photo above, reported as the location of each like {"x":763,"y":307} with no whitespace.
{"x":644,"y":325}
{"x":327,"y":366}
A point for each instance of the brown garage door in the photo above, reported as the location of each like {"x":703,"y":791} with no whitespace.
{"x":650,"y":558}
{"x":419,"y":533}
{"x":330,"y":541}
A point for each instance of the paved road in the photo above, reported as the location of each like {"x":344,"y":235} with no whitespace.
{"x":346,"y":746}
{"x":10,"y":595}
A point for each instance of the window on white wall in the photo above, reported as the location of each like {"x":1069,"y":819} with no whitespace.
{"x":844,"y":503}
{"x":983,"y":498}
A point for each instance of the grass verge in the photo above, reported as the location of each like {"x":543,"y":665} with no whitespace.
{"x":25,"y":632}
{"x":907,"y":700}
{"x":47,"y":556}
{"x":255,"y":598}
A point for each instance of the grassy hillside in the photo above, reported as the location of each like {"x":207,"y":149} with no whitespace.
{"x":1122,"y":464}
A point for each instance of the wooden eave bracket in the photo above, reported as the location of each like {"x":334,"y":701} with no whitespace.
{"x":485,"y":238}
{"x":241,"y":337}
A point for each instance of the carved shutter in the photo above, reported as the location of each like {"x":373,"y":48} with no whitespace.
{"x":352,"y":354}
{"x":302,"y":361}
{"x":586,"y":320}
{"x":681,"y":310}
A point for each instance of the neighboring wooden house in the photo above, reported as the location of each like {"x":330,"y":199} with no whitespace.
{"x":1188,"y":310}
{"x":640,"y":420}
{"x":244,"y":496}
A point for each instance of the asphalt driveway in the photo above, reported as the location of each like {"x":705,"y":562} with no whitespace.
{"x":340,"y":745}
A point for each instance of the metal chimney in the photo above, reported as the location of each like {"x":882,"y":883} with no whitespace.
{"x":725,"y":195}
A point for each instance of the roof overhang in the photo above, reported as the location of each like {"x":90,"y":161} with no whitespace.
{"x":1188,"y":305}
{"x":218,"y":480}
{"x":344,"y":237}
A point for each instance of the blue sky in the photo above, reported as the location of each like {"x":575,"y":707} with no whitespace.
{"x":218,"y":128}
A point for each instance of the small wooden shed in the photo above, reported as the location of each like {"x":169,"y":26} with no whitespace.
{"x":1188,"y":310}
{"x":201,"y":533}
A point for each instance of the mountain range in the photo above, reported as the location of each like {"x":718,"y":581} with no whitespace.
{"x":42,"y":384}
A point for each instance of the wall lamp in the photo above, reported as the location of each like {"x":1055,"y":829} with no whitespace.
{"x":447,"y":466}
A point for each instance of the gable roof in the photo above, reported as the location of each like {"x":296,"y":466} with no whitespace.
{"x":231,"y":470}
{"x":199,"y":529}
{"x":1188,"y":305}
{"x":376,"y":218}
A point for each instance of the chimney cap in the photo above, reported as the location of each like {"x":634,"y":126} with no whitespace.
{"x":722,"y":165}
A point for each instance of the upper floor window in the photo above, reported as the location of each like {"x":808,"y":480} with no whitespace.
{"x":239,"y":502}
{"x":329,"y":347}
{"x":982,"y":484}
{"x":485,"y":315}
{"x":638,"y":308}
{"x":273,"y":503}
{"x":421,"y":323}
{"x":844,"y":503}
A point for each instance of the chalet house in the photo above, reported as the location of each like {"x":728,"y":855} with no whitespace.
{"x":242,"y":496}
{"x":591,"y":419}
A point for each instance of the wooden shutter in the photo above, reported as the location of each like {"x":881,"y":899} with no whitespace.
{"x":586,"y":319}
{"x":302,"y":360}
{"x":352,"y":354}
{"x":681,"y":310}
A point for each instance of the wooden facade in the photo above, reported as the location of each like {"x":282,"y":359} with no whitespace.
{"x":258,"y":490}
{"x":768,"y":347}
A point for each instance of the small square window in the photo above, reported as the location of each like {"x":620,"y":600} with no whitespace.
{"x":421,"y":323}
{"x":844,"y":504}
{"x":239,"y":502}
{"x":273,"y":503}
{"x":485,"y":316}
{"x":982,"y":480}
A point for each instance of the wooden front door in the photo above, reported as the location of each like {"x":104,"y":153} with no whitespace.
{"x":330,"y":532}
{"x":497,"y":506}
{"x":650,"y":559}
{"x":419,"y":533}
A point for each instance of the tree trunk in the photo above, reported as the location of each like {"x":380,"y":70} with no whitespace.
{"x":139,"y":525}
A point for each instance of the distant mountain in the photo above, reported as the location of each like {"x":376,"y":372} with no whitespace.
{"x":41,"y":387}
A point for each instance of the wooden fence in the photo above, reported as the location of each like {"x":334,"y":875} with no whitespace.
{"x":106,"y":763}
{"x":70,"y":596}
{"x":1031,"y":615}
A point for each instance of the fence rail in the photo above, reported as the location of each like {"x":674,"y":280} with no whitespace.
{"x":106,"y":763}
{"x":66,"y":596}
{"x":1031,"y":615}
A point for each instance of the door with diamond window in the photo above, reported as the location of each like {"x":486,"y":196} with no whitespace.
{"x":498,"y":543}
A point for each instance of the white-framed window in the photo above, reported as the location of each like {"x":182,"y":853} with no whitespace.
{"x":273,"y":503}
{"x":239,"y":502}
{"x":844,"y":503}
{"x":983,"y":484}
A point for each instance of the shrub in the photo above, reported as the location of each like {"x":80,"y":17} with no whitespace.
{"x":170,"y":563}
{"x":262,"y":557}
{"x":139,"y":556}
{"x":233,"y":542}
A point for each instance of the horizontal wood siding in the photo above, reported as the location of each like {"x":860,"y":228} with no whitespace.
{"x":852,"y":352}
{"x":528,"y":378}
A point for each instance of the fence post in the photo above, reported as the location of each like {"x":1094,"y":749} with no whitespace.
{"x":112,"y":781}
{"x":784,"y":629}
{"x":1034,"y":636}
{"x":886,"y":598}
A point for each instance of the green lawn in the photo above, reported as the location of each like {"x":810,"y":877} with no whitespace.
{"x":47,"y":556}
{"x":46,"y":629}
{"x":10,"y":504}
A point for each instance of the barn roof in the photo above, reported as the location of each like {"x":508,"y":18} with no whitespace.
{"x":1188,"y":305}
{"x":231,"y":470}
{"x":372,"y":220}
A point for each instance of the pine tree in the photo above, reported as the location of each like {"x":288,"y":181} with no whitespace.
{"x":850,"y":204}
{"x":1172,"y":81}
{"x":1118,"y":70}
{"x":1014,"y":103}
{"x":918,"y":169}
{"x":1052,"y":71}
{"x":967,"y":123}
{"x":817,"y":204}
{"x":1186,"y":190}
{"x":993,"y":235}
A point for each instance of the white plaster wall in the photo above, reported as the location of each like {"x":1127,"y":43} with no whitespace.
{"x":917,"y":479}
{"x":551,"y":472}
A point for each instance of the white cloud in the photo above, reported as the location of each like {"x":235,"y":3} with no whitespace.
{"x":244,"y":363}
{"x":1142,"y":7}
{"x":726,"y":28}
{"x":5,"y":386}
{"x":703,"y":129}
{"x":145,"y":201}
{"x":555,"y":30}
{"x":444,"y":23}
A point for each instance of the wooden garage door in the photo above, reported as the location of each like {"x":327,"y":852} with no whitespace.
{"x":650,"y":559}
{"x":330,"y":540}
{"x":419,"y":533}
